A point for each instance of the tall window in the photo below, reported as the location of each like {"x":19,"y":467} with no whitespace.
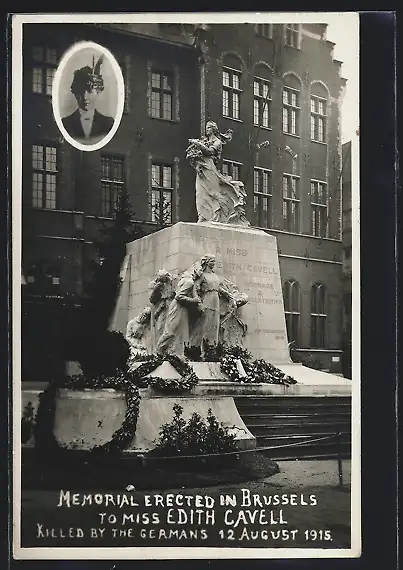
{"x":291,"y":203}
{"x":161,"y":193}
{"x":292,"y":34}
{"x":291,"y":110}
{"x":233,"y":169}
{"x":291,"y":294}
{"x":261,"y":102}
{"x":262,"y":197}
{"x":231,"y":93}
{"x":319,"y":208}
{"x":318,"y":118}
{"x":44,"y":176}
{"x":112,"y":182}
{"x":162,"y":92}
{"x":265,"y":30}
{"x":318,"y":316}
{"x":43,"y":69}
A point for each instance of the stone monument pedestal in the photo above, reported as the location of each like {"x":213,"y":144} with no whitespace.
{"x":246,"y":256}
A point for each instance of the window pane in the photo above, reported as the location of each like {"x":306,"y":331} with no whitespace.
{"x":51,"y":56}
{"x":285,"y":96}
{"x":50,"y":158}
{"x":312,"y":105}
{"x":235,"y":171}
{"x":225,"y":169}
{"x":156,"y":80}
{"x":266,"y":90}
{"x":155,"y":104}
{"x":225,"y":103}
{"x":235,"y":81}
{"x":50,"y":191}
{"x":235,"y":105}
{"x":293,"y":99}
{"x":225,"y":78}
{"x":265,"y":117}
{"x":256,"y":181}
{"x":37,"y":80}
{"x":37,"y":157}
{"x":167,"y":83}
{"x":167,"y":177}
{"x":167,"y":106}
{"x":256,"y":88}
{"x":156,"y":175}
{"x":50,"y":74}
{"x":313,"y":127}
{"x":256,"y":111}
{"x":285,"y":120}
{"x":265,"y":186}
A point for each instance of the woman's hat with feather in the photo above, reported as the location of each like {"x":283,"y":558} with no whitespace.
{"x":88,"y":78}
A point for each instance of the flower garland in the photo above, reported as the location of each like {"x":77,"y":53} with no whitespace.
{"x":128,"y":382}
{"x":257,"y":371}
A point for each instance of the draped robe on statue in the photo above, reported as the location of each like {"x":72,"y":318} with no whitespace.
{"x":218,"y":198}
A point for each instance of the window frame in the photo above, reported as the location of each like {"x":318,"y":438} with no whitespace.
{"x":316,"y":118}
{"x":260,"y":31}
{"x":231,"y":164}
{"x":259,"y":196}
{"x":263,"y":102}
{"x":114,"y":185}
{"x":231,"y":91}
{"x":317,"y":317}
{"x":290,"y":28}
{"x":44,"y":66}
{"x":292,"y":315}
{"x":319,"y":207}
{"x":170,"y":75}
{"x":292,"y":110}
{"x":44,"y":171}
{"x":292,"y":200}
{"x":158,"y":190}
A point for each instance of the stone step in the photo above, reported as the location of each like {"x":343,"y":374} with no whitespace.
{"x":295,"y":418}
{"x":307,"y":428}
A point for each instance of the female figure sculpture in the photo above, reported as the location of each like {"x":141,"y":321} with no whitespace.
{"x":218,"y":197}
{"x":161,"y":293}
{"x":138,"y":333}
{"x":176,"y":331}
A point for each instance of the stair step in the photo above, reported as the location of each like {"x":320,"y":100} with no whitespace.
{"x":288,"y":429}
{"x":273,"y":420}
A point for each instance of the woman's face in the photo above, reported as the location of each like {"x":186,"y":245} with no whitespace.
{"x":211,"y":263}
{"x":209,"y":130}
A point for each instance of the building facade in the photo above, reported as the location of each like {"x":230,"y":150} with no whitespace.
{"x":347,"y":259}
{"x":276,"y":86}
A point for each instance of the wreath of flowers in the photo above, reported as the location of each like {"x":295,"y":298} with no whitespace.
{"x":257,"y":371}
{"x":128,"y":382}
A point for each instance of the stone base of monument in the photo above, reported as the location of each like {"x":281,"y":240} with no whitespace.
{"x":84,"y":419}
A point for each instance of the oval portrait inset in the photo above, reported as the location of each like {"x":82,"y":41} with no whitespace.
{"x":88,"y":96}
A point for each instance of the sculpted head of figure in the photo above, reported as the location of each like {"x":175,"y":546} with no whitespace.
{"x":163,"y":275}
{"x":145,"y":315}
{"x":197,"y":271}
{"x":208,"y":260}
{"x":211,"y":128}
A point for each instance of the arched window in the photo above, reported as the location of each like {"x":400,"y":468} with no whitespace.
{"x":319,"y":109}
{"x":318,"y":315}
{"x":231,"y":90}
{"x":291,"y":293}
{"x":262,"y":97}
{"x":291,"y":105}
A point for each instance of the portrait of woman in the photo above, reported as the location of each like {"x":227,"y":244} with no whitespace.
{"x":88,"y":96}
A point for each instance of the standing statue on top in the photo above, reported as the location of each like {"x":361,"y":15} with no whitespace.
{"x":219,"y":198}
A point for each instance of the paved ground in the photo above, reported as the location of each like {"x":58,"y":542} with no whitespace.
{"x":327,"y":524}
